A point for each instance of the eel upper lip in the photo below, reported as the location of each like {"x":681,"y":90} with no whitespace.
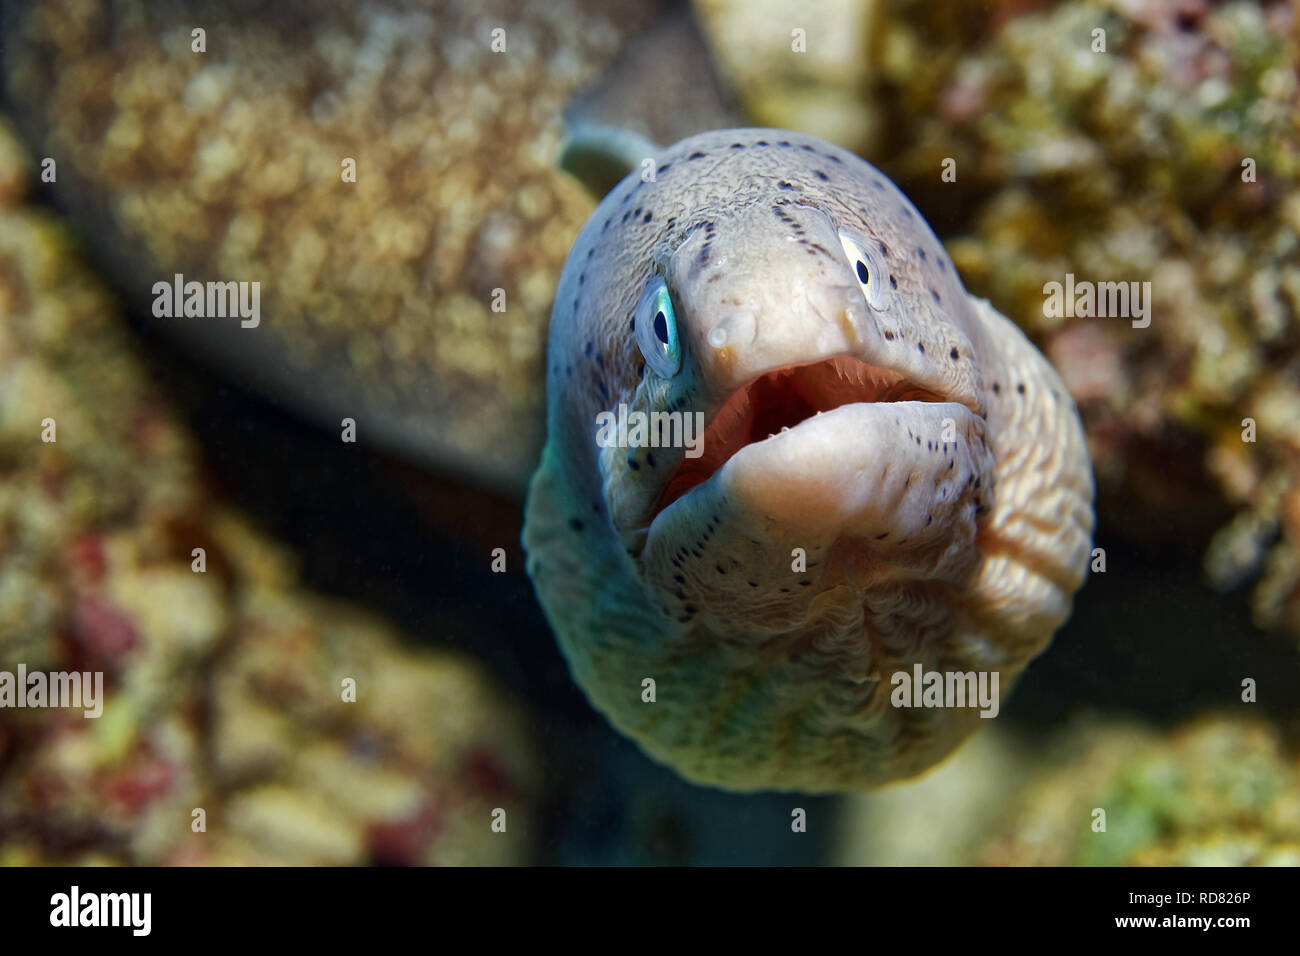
{"x":782,"y":398}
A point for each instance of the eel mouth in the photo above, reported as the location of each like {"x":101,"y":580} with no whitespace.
{"x":781,"y":399}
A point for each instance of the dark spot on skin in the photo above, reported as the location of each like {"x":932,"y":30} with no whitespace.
{"x":627,"y":216}
{"x":590,"y":347}
{"x":754,"y":584}
{"x":663,"y":169}
{"x":737,"y":146}
{"x":631,"y":463}
{"x":893,"y":283}
{"x":804,"y":584}
{"x":920,"y":348}
{"x":806,"y":148}
{"x":761,"y":142}
{"x":889,"y":336}
{"x":784,"y":142}
{"x":646,"y":219}
{"x":679,"y":578}
{"x":928,"y":519}
{"x":582,"y":277}
{"x":591,"y":252}
{"x":1020,"y":388}
{"x":640,"y":371}
{"x":689,"y":609}
{"x":935,"y":294}
{"x":605,"y":226}
{"x":719,"y":567}
{"x":575,"y":524}
{"x":834,"y":159}
{"x":950,"y":466}
{"x":953,"y":355}
{"x":785,"y":590}
{"x":884,"y":249}
{"x":785,"y":185}
{"x":821,"y":175}
{"x":882,"y":537}
{"x":650,"y":459}
{"x":996,"y":388}
{"x":696,"y":155}
{"x":921,"y":253}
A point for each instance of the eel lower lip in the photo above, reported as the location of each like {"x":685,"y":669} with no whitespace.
{"x":857,"y":469}
{"x":777,"y":403}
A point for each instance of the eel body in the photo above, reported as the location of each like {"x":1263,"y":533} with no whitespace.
{"x":789,"y":459}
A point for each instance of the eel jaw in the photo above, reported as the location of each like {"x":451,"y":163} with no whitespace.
{"x":874,"y":477}
{"x":781,"y":400}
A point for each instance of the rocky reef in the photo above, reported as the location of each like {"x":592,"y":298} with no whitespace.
{"x":1219,"y":792}
{"x":386,"y":171}
{"x":225,"y":682}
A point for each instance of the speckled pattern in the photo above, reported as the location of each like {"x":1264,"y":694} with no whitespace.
{"x":944,"y":502}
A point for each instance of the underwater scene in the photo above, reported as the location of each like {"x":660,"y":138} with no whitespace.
{"x":622,"y":432}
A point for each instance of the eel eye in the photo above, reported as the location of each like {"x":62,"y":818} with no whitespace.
{"x":868,"y":268}
{"x":656,"y":329}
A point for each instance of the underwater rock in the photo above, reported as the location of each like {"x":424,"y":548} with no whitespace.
{"x":223,"y":678}
{"x":1221,"y":791}
{"x":1216,"y":791}
{"x":800,"y":66}
{"x":413,"y":298}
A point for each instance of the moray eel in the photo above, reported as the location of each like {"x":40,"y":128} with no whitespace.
{"x":891,"y":475}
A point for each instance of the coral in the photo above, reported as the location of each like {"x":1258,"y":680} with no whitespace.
{"x":223,"y":683}
{"x":1221,"y":791}
{"x":227,"y":165}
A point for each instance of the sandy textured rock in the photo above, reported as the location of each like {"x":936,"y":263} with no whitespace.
{"x":222,"y":689}
{"x":225,"y":165}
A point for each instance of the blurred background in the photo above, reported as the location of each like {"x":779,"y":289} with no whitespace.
{"x":1170,"y":155}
